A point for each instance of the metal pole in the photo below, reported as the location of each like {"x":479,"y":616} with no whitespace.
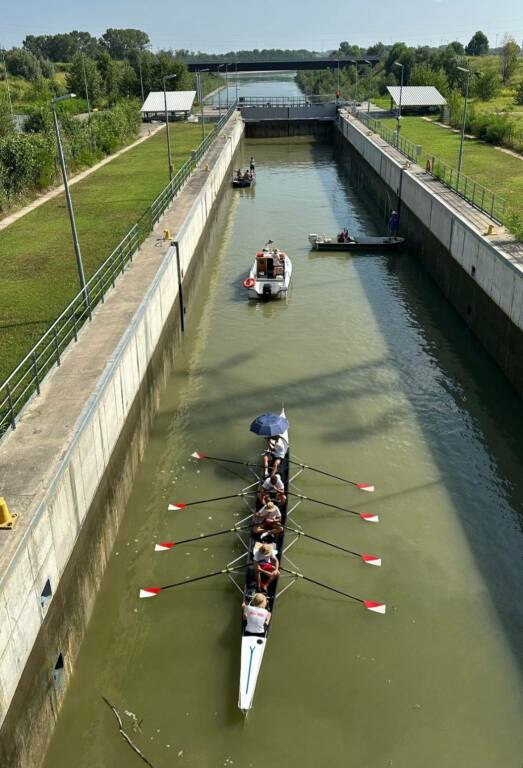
{"x":236,"y":79}
{"x":401,"y":97}
{"x":85,"y":85}
{"x":7,"y":84}
{"x":227,"y":83}
{"x":167,"y":131}
{"x":141,"y":76}
{"x":76,"y":242}
{"x":219,"y":93}
{"x":180,"y":288}
{"x":460,"y":160}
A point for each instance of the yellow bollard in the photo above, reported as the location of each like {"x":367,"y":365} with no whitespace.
{"x":166,"y":234}
{"x":7,"y":520}
{"x":490,"y":230}
{"x":206,"y":168}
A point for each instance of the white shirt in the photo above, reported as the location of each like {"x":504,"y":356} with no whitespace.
{"x":268,"y":486}
{"x":278,"y":448}
{"x":256,"y":618}
{"x":263,"y":513}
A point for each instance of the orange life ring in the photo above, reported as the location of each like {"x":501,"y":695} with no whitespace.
{"x":260,"y":254}
{"x":249,"y":282}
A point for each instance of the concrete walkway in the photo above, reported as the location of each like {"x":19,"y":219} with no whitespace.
{"x":501,"y":237}
{"x":146,"y":132}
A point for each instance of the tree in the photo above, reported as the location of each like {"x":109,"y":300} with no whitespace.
{"x":346,"y":49}
{"x":76,"y":81}
{"x":422,"y":74}
{"x":478,"y":45}
{"x":378,"y":49}
{"x":22,"y":63}
{"x":61,"y":47}
{"x":518,"y":98}
{"x":487,"y":85}
{"x":120,"y":43}
{"x":457,"y":47}
{"x":7,"y":124}
{"x":508,"y":58}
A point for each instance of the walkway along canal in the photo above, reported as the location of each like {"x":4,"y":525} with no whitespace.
{"x":382,"y":382}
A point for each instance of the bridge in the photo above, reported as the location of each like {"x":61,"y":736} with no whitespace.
{"x":279,"y":65}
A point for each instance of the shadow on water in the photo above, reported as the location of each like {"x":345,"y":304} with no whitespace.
{"x":464,"y":389}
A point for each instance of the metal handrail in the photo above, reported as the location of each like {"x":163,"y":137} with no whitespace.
{"x":284,"y":101}
{"x":482,"y":198}
{"x":26,"y":379}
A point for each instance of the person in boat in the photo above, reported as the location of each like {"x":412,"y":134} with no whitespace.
{"x":271,"y":487}
{"x":252,"y":164}
{"x":276,"y":448}
{"x":267,"y":522}
{"x":239,"y":174}
{"x":341,"y":236}
{"x":266,"y":567}
{"x":394,"y":223}
{"x":256,"y":615}
{"x":269,"y":246}
{"x":247,"y":175}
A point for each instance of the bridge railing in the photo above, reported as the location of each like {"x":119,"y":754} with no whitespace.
{"x":283,"y":101}
{"x":25,"y":380}
{"x":486,"y":201}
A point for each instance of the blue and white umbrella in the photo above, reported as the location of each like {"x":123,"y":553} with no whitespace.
{"x":269,"y":424}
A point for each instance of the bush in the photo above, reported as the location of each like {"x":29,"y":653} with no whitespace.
{"x":487,"y":85}
{"x":518,"y":98}
{"x":494,"y":129}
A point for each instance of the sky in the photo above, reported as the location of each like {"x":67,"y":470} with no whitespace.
{"x":216,"y":26}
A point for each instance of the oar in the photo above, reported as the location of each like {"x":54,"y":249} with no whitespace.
{"x":360,"y":486}
{"x":153,"y":591}
{"x":369,"y":559}
{"x":199,"y":455}
{"x":166,"y":545}
{"x":366,"y":516}
{"x":181,"y":505}
{"x":370,"y":605}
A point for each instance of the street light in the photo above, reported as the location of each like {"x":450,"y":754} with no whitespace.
{"x":167,"y":132}
{"x":7,"y":83}
{"x":463,"y":125}
{"x":76,"y":243}
{"x":85,"y":85}
{"x":199,"y":86}
{"x":219,"y":90}
{"x":398,"y":118}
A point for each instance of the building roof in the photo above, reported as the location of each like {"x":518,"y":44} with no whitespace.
{"x":416,"y":96}
{"x":177,"y":101}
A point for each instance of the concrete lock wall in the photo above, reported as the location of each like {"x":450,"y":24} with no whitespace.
{"x":479,"y":279}
{"x":70,"y":536}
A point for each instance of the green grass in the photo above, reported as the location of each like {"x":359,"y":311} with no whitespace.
{"x":498,"y":171}
{"x":37,"y":260}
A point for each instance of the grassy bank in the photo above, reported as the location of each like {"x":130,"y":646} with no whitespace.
{"x":37,"y":261}
{"x":497,"y":170}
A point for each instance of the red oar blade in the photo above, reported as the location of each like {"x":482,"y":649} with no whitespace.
{"x":198,"y":455}
{"x":369,"y":518}
{"x":150,"y":592}
{"x":164,"y":546}
{"x":179,"y":505}
{"x":365,"y":487}
{"x":370,"y":559}
{"x":370,"y":605}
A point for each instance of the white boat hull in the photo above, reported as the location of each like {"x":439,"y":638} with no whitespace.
{"x":252,"y":652}
{"x":271,"y":288}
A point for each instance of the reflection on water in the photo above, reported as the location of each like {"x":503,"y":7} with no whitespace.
{"x":382,"y":383}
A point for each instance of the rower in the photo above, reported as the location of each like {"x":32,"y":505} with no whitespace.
{"x":267,"y":522}
{"x":256,"y":615}
{"x":266,"y":567}
{"x":274,"y":455}
{"x":274,"y":486}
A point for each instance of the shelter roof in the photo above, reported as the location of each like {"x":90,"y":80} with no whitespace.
{"x":177,"y":101}
{"x":416,"y":96}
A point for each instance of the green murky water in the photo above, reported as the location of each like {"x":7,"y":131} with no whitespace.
{"x":382,"y":383}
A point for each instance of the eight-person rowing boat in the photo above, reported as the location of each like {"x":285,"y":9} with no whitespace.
{"x":262,"y":534}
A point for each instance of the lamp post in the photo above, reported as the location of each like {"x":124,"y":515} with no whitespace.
{"x":167,"y":132}
{"x":219,"y":91}
{"x":236,"y":79}
{"x":79,"y":263}
{"x":398,"y":118}
{"x":141,"y":76}
{"x":200,"y":90}
{"x":463,"y":125}
{"x":85,"y":85}
{"x":227,"y":82}
{"x":338,"y":82}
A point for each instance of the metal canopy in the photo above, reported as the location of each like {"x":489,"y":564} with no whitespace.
{"x":177,"y":101}
{"x":416,"y":96}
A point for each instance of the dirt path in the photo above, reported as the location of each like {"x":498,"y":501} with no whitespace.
{"x":146,"y":131}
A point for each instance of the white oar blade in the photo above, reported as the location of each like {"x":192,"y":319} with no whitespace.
{"x":370,"y":605}
{"x":164,"y":546}
{"x":173,"y":507}
{"x":365,"y":487}
{"x":371,"y":560}
{"x":150,"y":592}
{"x":369,"y":518}
{"x":198,"y":455}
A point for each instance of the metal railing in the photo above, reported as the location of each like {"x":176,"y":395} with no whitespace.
{"x":26,"y":379}
{"x":494,"y":206}
{"x":283,"y":101}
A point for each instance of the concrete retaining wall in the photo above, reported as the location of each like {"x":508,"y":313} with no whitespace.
{"x":68,"y":540}
{"x":480,"y":280}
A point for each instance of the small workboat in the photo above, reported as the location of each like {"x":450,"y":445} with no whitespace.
{"x":324,"y":243}
{"x":270,"y":275}
{"x":244,"y":182}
